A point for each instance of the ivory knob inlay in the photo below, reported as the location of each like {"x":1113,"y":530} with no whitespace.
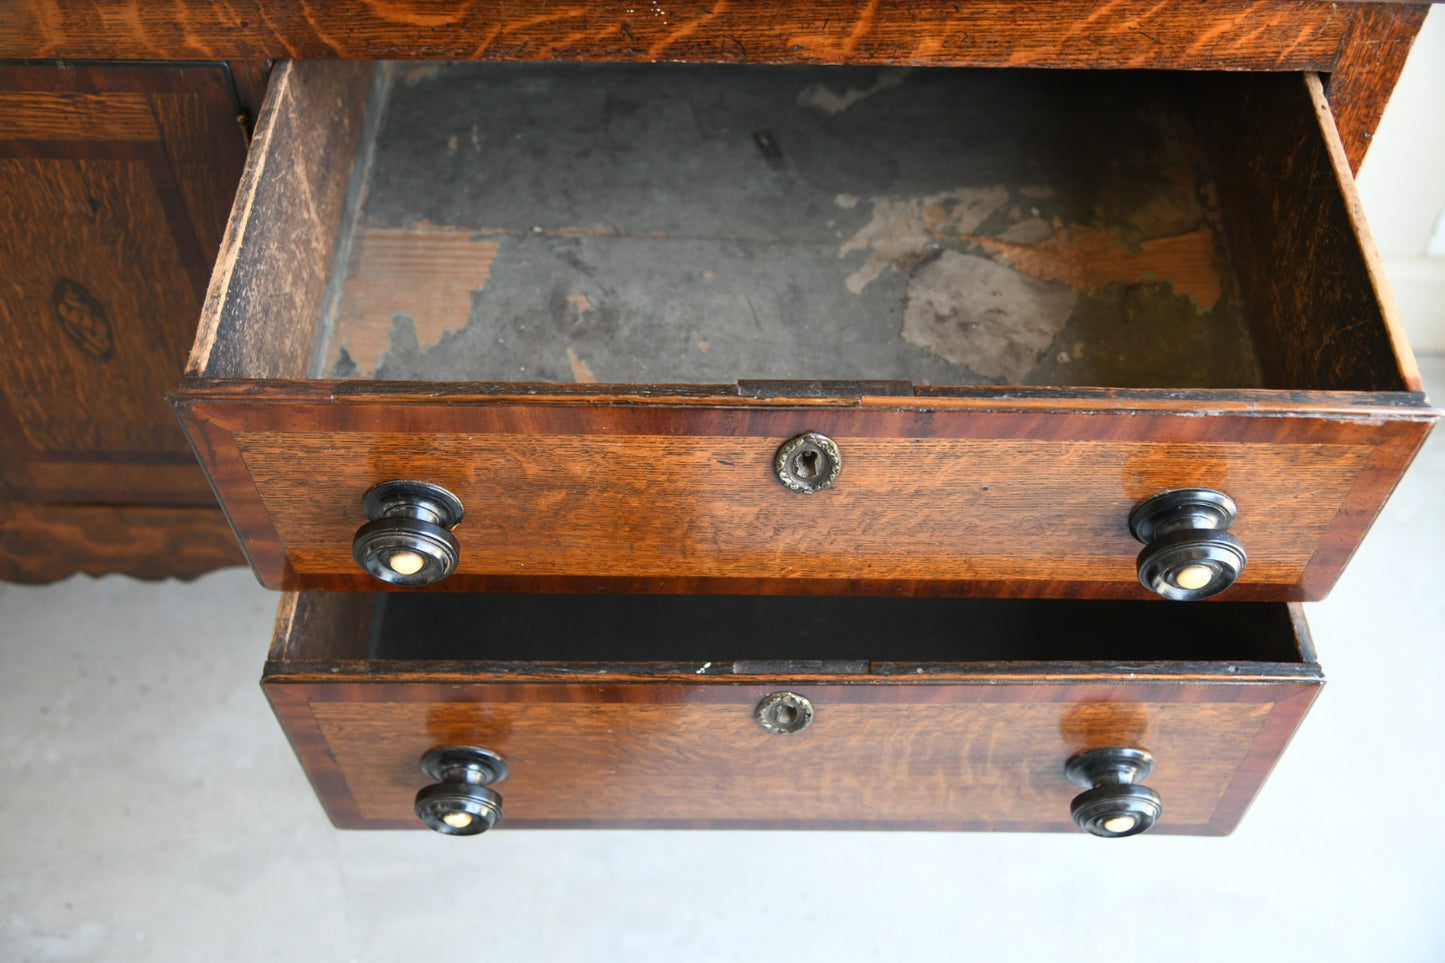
{"x":1120,"y":824}
{"x":405,"y":563}
{"x":1193,"y":576}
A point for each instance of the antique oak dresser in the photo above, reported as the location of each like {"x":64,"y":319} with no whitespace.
{"x":703,"y":414}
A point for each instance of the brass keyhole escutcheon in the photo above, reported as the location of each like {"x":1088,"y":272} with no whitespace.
{"x":808,"y":463}
{"x":784,"y":713}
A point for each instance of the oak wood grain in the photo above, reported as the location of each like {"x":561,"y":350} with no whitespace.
{"x":961,"y":491}
{"x":956,"y":500}
{"x":1226,"y":34}
{"x":274,"y":258}
{"x":1321,"y":306}
{"x":115,"y":182}
{"x":958,"y":747}
{"x":42,"y":543}
{"x":1372,"y":55}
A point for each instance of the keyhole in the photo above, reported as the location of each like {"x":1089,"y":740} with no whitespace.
{"x":806,"y":464}
{"x":785,"y":715}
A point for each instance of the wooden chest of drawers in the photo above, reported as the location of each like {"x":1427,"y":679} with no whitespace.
{"x":1021,"y":306}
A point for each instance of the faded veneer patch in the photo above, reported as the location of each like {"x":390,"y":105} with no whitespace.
{"x":995,"y":301}
{"x":971,"y":310}
{"x":427,"y":273}
{"x":903,"y":230}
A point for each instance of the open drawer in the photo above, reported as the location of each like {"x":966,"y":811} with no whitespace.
{"x":597,"y":304}
{"x":675,"y":711}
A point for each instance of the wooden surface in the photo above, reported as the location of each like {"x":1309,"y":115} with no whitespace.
{"x":619,"y":223}
{"x":116,"y":186}
{"x":42,"y":543}
{"x":943,"y":747}
{"x":973,"y":499}
{"x":956,"y":490}
{"x":1372,"y":55}
{"x":1311,"y":274}
{"x":1362,"y":44}
{"x":267,"y":277}
{"x":1223,"y":34}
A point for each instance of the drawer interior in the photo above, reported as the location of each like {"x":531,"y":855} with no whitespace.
{"x":712,"y":224}
{"x":750,"y":635}
{"x":704,"y":224}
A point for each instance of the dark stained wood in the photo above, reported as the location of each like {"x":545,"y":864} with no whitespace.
{"x":116,"y":185}
{"x":42,"y":543}
{"x":1316,"y":288}
{"x":944,"y":747}
{"x":1020,"y":502}
{"x":250,"y":78}
{"x":1372,"y":54}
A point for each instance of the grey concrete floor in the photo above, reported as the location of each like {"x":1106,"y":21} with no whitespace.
{"x":150,"y":809}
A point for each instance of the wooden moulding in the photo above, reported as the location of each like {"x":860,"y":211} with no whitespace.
{"x":965,"y":491}
{"x":945,"y":746}
{"x":43,"y":543}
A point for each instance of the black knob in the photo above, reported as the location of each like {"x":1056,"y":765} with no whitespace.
{"x":1113,"y":804}
{"x":1188,"y":552}
{"x":459,"y":803}
{"x":408,"y":540}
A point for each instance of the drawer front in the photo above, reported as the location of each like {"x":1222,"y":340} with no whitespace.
{"x":963,"y":755}
{"x":953,"y":501}
{"x":595,"y":731}
{"x":966,"y":490}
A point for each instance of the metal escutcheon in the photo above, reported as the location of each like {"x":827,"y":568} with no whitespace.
{"x":808,"y":463}
{"x":784,"y":713}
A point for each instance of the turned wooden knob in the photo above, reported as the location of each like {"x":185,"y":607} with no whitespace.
{"x":408,"y":540}
{"x":459,"y":802}
{"x":1113,"y":804}
{"x":1188,"y":552}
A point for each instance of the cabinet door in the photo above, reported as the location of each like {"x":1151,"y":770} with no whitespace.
{"x":115,"y":184}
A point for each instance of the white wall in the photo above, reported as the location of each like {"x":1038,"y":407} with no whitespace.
{"x":1402,"y":183}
